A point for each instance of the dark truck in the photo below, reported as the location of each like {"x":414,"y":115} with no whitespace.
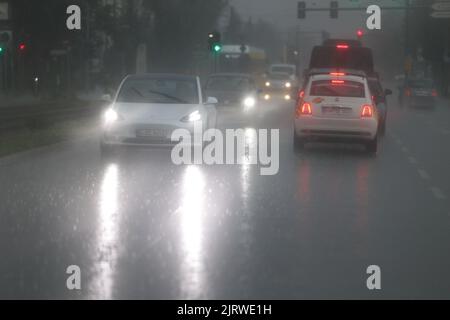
{"x":345,"y":54}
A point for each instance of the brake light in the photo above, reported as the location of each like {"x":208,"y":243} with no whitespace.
{"x":342,"y":46}
{"x":303,"y":109}
{"x":301,"y":94}
{"x":434,"y":93}
{"x":337,"y":81}
{"x":337,"y":74}
{"x":367,"y":111}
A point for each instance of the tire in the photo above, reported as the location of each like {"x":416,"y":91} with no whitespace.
{"x":299,"y":143}
{"x":372,"y":146}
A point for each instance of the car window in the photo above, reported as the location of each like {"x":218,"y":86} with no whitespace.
{"x":159,"y":90}
{"x":375,"y":88}
{"x":228,"y":83}
{"x":420,"y":83}
{"x":337,"y":88}
{"x":279,"y":76}
{"x":282,"y":69}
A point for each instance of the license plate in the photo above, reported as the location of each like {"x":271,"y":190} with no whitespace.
{"x":336,"y":110}
{"x":151,"y":133}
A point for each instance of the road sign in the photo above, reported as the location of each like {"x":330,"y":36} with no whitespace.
{"x":4,"y":13}
{"x":440,"y":14}
{"x":441,"y":6}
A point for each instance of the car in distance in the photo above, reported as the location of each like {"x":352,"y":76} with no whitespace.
{"x":379,"y":96}
{"x":419,"y":93}
{"x":278,"y":84}
{"x":336,"y":105}
{"x":233,"y":90}
{"x":149,"y":107}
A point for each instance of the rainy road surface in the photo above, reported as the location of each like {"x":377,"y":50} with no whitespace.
{"x":140,"y":227}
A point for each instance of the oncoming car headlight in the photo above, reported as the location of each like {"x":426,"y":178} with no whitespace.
{"x":249,"y":102}
{"x":267,"y":84}
{"x":192,"y":117}
{"x":288,"y":85}
{"x":110,"y":116}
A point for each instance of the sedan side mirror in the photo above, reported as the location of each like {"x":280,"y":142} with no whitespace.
{"x":387,"y":92}
{"x":107,"y":97}
{"x":211,"y":100}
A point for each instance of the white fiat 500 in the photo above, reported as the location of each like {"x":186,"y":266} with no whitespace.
{"x":337,"y":105}
{"x":149,"y":107}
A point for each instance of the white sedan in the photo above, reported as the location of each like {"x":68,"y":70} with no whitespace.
{"x":336,"y":105}
{"x":149,"y":107}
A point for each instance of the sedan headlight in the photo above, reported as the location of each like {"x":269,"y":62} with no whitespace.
{"x":194,"y":116}
{"x":249,"y":102}
{"x":288,"y":84}
{"x":110,"y":116}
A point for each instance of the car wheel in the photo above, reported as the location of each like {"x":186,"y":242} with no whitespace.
{"x":299,"y":143}
{"x":372,"y":146}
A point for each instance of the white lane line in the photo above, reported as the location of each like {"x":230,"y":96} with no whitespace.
{"x":412,"y":160}
{"x":438,"y":194}
{"x":423,"y":174}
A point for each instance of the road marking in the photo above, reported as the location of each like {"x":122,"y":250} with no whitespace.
{"x":423,"y":174}
{"x":438,"y":194}
{"x":412,"y":160}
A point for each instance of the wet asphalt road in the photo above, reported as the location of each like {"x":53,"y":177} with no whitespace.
{"x":140,"y":227}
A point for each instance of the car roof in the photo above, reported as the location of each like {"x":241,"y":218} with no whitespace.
{"x":162,"y":75}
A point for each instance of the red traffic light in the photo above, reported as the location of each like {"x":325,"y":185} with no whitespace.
{"x":22,"y":46}
{"x":359,"y":33}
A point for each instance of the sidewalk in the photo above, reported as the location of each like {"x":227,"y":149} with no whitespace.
{"x":28,"y":100}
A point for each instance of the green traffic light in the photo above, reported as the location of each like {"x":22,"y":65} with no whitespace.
{"x":1,"y":50}
{"x":217,"y":48}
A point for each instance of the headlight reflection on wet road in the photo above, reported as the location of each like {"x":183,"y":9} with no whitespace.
{"x":191,"y":228}
{"x":107,"y":235}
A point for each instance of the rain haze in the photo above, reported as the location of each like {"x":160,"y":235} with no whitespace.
{"x":213,"y":149}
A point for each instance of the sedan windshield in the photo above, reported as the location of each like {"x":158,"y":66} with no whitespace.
{"x":228,"y":83}
{"x":170,"y":91}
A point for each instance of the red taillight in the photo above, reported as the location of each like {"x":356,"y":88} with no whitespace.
{"x":434,"y":93}
{"x":342,"y":46}
{"x":337,"y":74}
{"x":301,"y":94}
{"x":337,"y":81}
{"x":367,"y":111}
{"x":304,"y":109}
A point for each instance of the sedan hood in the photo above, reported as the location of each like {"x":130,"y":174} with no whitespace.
{"x":143,"y":112}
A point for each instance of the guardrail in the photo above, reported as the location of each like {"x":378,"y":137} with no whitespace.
{"x":45,"y":114}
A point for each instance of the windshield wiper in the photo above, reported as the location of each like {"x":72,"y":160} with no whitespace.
{"x":167,"y":96}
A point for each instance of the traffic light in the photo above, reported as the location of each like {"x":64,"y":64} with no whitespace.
{"x":1,"y":49}
{"x":22,"y":47}
{"x":217,"y":47}
{"x":359,"y":34}
{"x":301,"y":10}
{"x":334,"y":8}
{"x":214,"y":42}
